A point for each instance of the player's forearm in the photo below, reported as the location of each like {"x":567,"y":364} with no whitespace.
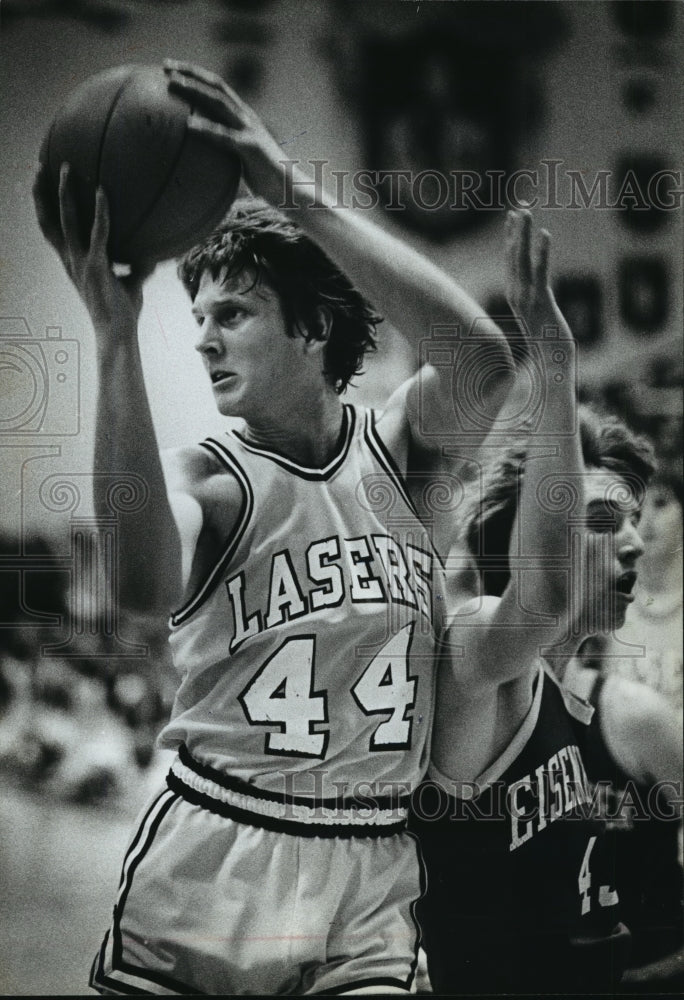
{"x":125,"y":445}
{"x":552,"y":484}
{"x":401,"y":283}
{"x":552,"y":491}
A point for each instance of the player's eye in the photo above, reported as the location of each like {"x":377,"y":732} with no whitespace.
{"x":601,"y":526}
{"x":600,"y":519}
{"x":230,"y":315}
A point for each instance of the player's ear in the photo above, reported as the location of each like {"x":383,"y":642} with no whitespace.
{"x":318,"y":332}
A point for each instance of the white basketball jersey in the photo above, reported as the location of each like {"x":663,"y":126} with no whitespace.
{"x":307,"y":655}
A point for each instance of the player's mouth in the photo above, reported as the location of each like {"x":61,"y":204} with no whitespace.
{"x":219,"y":376}
{"x":624,"y":585}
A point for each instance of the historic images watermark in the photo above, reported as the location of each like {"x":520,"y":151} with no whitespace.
{"x":40,"y":402}
{"x":552,"y":184}
{"x":557,"y":789}
{"x":40,"y":381}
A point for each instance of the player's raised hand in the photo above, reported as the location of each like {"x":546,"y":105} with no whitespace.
{"x":224,"y":118}
{"x":528,"y":287}
{"x":113,"y":302}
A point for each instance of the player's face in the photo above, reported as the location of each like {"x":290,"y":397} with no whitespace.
{"x":614,"y":545}
{"x":252,"y":363}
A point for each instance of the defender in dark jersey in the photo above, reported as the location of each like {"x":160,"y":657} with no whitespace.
{"x":634,"y":756}
{"x":520,"y":896}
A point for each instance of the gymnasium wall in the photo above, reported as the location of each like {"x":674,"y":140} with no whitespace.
{"x":594,"y":95}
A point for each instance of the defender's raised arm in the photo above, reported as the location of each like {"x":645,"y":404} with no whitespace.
{"x":504,"y":641}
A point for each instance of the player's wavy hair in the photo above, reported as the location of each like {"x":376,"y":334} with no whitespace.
{"x":607,"y":443}
{"x":257,"y":239}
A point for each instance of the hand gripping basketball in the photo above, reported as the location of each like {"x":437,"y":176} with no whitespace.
{"x":166,"y":186}
{"x":224,"y":118}
{"x":113,"y":302}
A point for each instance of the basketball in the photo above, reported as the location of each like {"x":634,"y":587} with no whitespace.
{"x":166,"y":186}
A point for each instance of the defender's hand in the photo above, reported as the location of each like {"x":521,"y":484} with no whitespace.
{"x":113,"y":303}
{"x":225,"y":119}
{"x":527,"y":276}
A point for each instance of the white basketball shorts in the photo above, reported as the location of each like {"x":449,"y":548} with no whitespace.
{"x":228,"y":890}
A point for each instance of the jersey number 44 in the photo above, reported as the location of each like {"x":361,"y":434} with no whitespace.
{"x":283,"y":696}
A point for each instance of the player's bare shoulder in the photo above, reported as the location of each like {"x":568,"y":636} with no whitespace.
{"x":408,"y":423}
{"x":393,"y":427}
{"x":197,"y":471}
{"x":205,"y":498}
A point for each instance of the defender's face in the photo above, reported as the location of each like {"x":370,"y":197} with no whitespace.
{"x":614,"y":545}
{"x":243,"y":340}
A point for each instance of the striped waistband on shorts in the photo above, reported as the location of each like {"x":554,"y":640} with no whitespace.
{"x":226,"y":795}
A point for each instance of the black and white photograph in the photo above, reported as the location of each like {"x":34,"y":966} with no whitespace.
{"x":341,"y":410}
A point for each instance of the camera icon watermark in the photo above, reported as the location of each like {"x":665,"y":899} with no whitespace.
{"x":40,"y":381}
{"x":470,"y":363}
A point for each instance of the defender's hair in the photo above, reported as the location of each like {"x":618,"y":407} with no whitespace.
{"x":258,"y":240}
{"x":607,"y":443}
{"x":670,"y":477}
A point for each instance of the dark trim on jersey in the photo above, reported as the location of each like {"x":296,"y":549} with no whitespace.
{"x":385,"y":459}
{"x":303,"y":471}
{"x":337,"y":831}
{"x":214,"y":578}
{"x":233,"y":784}
{"x":580,"y":709}
{"x":357,"y":984}
{"x":520,"y":739}
{"x":599,"y":760}
{"x":491,"y":775}
{"x":137,"y":852}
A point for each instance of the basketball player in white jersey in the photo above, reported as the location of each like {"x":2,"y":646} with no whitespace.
{"x":305,"y":592}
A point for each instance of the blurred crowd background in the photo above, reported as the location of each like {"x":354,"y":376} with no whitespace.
{"x":570,"y":95}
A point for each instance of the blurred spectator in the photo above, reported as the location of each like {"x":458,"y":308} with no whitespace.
{"x":58,"y":735}
{"x":80,"y":728}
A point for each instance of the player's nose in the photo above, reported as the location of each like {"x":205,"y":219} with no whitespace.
{"x":208,"y":341}
{"x":630,"y":543}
